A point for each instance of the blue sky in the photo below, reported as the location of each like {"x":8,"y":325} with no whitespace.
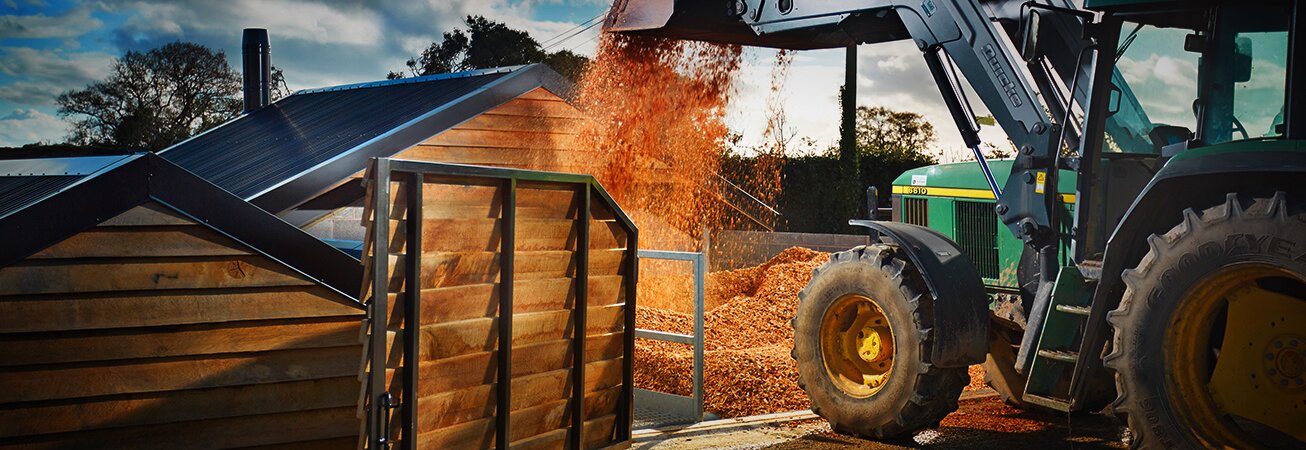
{"x":52,"y":46}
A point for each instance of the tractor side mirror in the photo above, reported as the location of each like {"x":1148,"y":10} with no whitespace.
{"x":1029,"y":40}
{"x":1242,"y":59}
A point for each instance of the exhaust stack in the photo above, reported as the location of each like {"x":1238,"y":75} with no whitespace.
{"x":257,"y":62}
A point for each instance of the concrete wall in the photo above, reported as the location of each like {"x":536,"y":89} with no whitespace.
{"x":732,"y":249}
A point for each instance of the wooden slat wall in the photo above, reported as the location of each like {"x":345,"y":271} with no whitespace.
{"x":151,"y":331}
{"x":537,"y":131}
{"x":459,"y":315}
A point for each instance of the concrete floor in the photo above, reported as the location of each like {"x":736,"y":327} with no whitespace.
{"x":982,"y":421}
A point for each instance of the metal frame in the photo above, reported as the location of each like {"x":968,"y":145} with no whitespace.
{"x":680,"y":405}
{"x":417,"y":174}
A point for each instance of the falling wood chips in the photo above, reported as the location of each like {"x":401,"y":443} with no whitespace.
{"x":747,"y":368}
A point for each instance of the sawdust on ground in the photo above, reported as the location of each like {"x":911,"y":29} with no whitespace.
{"x":747,"y":366}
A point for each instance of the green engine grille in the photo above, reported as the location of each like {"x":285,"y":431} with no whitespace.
{"x":977,"y":234}
{"x":915,"y":211}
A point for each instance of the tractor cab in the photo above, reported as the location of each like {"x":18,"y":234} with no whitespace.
{"x":1201,"y":73}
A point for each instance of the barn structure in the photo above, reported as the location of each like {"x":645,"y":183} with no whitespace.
{"x":303,"y":156}
{"x":143,"y":307}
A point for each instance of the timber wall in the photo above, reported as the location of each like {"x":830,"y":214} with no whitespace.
{"x":537,"y":131}
{"x":459,"y":298}
{"x":151,"y":331}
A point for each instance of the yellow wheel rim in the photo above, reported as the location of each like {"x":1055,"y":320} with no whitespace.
{"x":1234,"y":358}
{"x":857,"y":345}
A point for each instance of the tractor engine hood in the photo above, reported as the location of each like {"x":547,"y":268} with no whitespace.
{"x":723,"y":21}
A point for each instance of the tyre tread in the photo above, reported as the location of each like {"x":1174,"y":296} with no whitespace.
{"x":936,"y":390}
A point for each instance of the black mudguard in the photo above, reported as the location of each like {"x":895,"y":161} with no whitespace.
{"x":961,"y":311}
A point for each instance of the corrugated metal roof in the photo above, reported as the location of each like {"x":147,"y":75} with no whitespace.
{"x":262,"y":150}
{"x":18,"y":192}
{"x":27,"y":181}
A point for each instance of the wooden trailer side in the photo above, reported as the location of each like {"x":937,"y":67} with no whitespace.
{"x":459,"y":297}
{"x":152,"y":331}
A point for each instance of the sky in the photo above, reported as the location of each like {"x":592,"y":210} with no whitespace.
{"x":52,"y":46}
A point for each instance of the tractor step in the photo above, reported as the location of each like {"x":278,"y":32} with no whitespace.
{"x":1091,"y":269}
{"x":1077,"y":310}
{"x":1047,"y":402}
{"x":1060,"y":355}
{"x":1056,"y":354}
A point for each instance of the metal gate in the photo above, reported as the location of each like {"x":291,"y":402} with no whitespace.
{"x":422,"y":218}
{"x":679,"y":408}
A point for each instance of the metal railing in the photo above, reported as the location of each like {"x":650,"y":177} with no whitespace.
{"x":413,"y":175}
{"x":678,"y":405}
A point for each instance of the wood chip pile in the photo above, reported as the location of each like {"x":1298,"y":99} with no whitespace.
{"x":747,"y":368}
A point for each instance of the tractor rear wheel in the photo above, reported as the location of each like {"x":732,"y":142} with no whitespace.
{"x":862,"y":343}
{"x":1210,"y":333}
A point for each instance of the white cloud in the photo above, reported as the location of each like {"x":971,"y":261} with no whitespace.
{"x":891,"y":74}
{"x":1165,"y":86}
{"x":26,"y":126}
{"x":30,"y":92}
{"x":72,"y":23}
{"x":323,"y":42}
{"x":301,"y":20}
{"x":41,"y":75}
{"x":23,"y":61}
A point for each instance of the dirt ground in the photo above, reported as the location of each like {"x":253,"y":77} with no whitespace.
{"x":983,"y":422}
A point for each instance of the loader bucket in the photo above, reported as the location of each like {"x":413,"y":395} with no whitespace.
{"x":711,"y":21}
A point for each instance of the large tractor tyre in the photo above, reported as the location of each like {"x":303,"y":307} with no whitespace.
{"x":862,"y":342}
{"x":1210,"y":331}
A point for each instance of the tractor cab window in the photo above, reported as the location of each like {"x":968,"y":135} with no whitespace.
{"x":1244,"y":73}
{"x":1153,"y":89}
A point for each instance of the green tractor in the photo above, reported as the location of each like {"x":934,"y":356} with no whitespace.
{"x":954,"y":200}
{"x":1145,"y":247}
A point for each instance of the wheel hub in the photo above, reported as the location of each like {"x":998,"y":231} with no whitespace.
{"x":874,"y":344}
{"x":857,"y":345}
{"x":1284,"y":364}
{"x":1258,"y":371}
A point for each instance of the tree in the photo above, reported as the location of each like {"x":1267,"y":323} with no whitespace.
{"x":487,"y":44}
{"x":889,"y":143}
{"x":883,"y":132}
{"x":153,"y":99}
{"x":569,"y":64}
{"x":278,"y":84}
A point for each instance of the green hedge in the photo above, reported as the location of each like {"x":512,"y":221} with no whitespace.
{"x":814,"y":197}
